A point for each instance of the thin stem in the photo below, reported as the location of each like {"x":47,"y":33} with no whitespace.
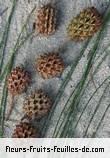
{"x":18,"y":45}
{"x":58,"y":127}
{"x":11,"y":108}
{"x":96,"y":109}
{"x":6,"y":34}
{"x":2,"y":109}
{"x":89,"y":102}
{"x":93,"y":136}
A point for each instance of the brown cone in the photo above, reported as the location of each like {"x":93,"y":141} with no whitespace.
{"x":25,"y":130}
{"x":49,"y":65}
{"x":18,"y":81}
{"x":46,"y":20}
{"x":37,"y":105}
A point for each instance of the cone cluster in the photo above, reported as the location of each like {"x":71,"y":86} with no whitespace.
{"x":49,"y":65}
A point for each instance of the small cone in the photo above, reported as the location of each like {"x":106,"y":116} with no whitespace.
{"x":18,"y":81}
{"x":85,"y":24}
{"x":37,"y":105}
{"x":46,"y":20}
{"x":25,"y":130}
{"x":49,"y":65}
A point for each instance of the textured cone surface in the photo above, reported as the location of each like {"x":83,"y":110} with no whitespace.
{"x":25,"y":130}
{"x":46,"y":20}
{"x":50,"y":65}
{"x":18,"y":80}
{"x":85,"y":24}
{"x":37,"y":105}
